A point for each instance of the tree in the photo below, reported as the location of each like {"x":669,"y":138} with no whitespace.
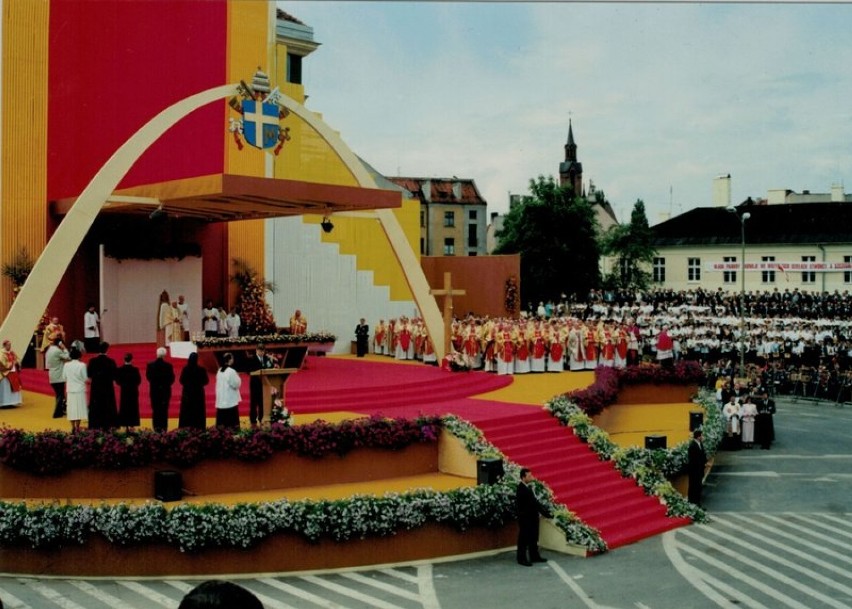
{"x":255,"y":315}
{"x":556,"y":235}
{"x":632,"y":247}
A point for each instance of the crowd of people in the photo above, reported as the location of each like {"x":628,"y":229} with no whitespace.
{"x":803,"y":339}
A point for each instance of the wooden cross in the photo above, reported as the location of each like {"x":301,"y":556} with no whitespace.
{"x":448,"y":292}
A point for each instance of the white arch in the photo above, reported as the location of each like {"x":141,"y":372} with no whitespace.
{"x":51,"y":265}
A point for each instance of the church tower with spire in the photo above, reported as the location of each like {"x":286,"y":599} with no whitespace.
{"x":571,"y":170}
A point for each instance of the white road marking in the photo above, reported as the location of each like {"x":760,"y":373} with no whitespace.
{"x":426,"y":586}
{"x":697,"y":577}
{"x":386,"y":587}
{"x":413,"y":579}
{"x":302,"y":594}
{"x":10,"y":601}
{"x":574,"y":587}
{"x":343,"y":590}
{"x":151,"y":595}
{"x":776,"y":557}
{"x":100,"y":594}
{"x":756,"y":566}
{"x":737,"y":574}
{"x":53,"y":596}
{"x":820,"y":549}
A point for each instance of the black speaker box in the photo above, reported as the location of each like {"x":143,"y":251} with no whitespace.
{"x":653,"y":442}
{"x":168,"y":485}
{"x":488,"y":471}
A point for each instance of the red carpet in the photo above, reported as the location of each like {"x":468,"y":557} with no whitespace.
{"x":331,"y":384}
{"x":594,"y":490}
{"x":529,"y":436}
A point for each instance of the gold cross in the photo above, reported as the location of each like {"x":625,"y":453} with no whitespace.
{"x":448,"y":292}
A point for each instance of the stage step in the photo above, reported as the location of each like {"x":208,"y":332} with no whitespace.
{"x":591,"y":488}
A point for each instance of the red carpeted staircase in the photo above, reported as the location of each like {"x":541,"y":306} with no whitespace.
{"x":593,"y":489}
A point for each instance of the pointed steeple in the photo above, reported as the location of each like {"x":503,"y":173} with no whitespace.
{"x":571,"y":170}
{"x":570,"y":146}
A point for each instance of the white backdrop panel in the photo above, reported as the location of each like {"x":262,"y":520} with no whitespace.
{"x":131,"y":289}
{"x":326,"y":286}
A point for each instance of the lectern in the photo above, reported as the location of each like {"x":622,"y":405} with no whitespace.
{"x":273,"y":378}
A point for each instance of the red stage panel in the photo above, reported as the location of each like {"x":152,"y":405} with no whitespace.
{"x":113,"y":66}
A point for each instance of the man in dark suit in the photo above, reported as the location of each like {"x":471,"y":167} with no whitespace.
{"x":259,"y":361}
{"x":696,"y":463}
{"x":103,"y":411}
{"x":529,"y":508}
{"x":362,"y":337}
{"x":161,"y":377}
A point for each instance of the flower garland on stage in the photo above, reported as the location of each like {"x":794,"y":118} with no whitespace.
{"x":268,"y":339}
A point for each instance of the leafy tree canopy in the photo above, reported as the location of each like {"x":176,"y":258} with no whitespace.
{"x":632,"y":247}
{"x":556,"y":235}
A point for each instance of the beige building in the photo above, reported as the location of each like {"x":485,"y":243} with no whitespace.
{"x":453,"y":215}
{"x":785,"y":246}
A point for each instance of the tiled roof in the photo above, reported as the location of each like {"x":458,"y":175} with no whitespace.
{"x":287,"y":17}
{"x":442,"y":189}
{"x":769,"y":224}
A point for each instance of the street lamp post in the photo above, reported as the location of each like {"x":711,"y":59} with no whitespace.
{"x":743,"y":217}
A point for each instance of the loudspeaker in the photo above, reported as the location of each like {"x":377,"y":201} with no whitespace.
{"x":653,"y":442}
{"x":489,"y":471}
{"x":696,"y":420}
{"x":168,"y":485}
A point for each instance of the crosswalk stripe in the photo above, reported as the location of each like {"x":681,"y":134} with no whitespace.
{"x":702,"y":580}
{"x":386,"y":587}
{"x":835,"y":528}
{"x":808,"y":529}
{"x":742,"y":598}
{"x":10,"y":601}
{"x":400,"y":575}
{"x":302,"y":594}
{"x":800,"y":542}
{"x":790,"y":550}
{"x":756,"y":566}
{"x":105,"y":597}
{"x":738,"y":574}
{"x":343,"y":590}
{"x":426,"y":586}
{"x":148,"y":593}
{"x":54,"y":596}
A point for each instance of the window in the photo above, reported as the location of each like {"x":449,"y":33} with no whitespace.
{"x":808,"y":276}
{"x":449,"y":246}
{"x":471,"y":215}
{"x":294,"y":68}
{"x":847,"y":275}
{"x":768,"y":276}
{"x":693,"y":269}
{"x":729,"y":276}
{"x":422,"y":245}
{"x":659,"y":268}
{"x":449,"y":218}
{"x":422,"y":218}
{"x":472,"y":241}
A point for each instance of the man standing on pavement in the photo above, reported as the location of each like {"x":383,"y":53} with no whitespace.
{"x":529,"y":508}
{"x":161,"y":377}
{"x":697,"y":462}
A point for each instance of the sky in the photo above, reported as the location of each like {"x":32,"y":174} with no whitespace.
{"x":663,"y":97}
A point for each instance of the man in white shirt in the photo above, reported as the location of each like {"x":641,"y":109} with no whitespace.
{"x":91,"y":329}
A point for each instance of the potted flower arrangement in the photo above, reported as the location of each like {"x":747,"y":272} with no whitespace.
{"x":279,"y":413}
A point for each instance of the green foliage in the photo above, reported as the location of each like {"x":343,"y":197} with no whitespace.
{"x":19,"y":268}
{"x":631,"y":245}
{"x":556,"y":235}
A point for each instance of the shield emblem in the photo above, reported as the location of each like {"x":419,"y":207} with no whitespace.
{"x":260,"y":123}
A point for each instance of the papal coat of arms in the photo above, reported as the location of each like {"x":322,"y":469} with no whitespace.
{"x":261,"y":115}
